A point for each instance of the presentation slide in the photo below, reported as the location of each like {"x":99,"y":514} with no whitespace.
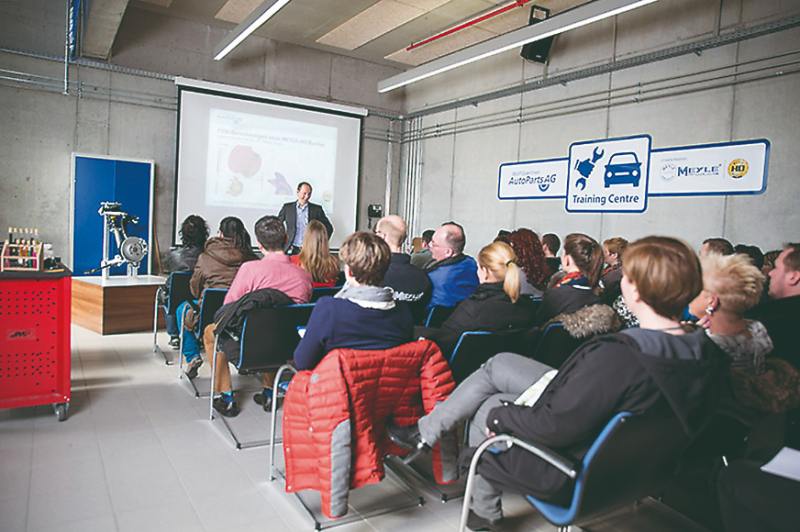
{"x":241,"y":155}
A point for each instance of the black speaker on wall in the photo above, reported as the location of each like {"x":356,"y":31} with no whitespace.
{"x":537,"y":51}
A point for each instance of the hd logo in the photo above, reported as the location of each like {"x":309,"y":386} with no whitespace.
{"x":738,"y":168}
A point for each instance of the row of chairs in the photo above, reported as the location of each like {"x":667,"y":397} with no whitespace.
{"x":269,"y":337}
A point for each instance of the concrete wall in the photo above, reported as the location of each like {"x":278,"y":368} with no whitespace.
{"x":459,"y":172}
{"x":134,"y":116}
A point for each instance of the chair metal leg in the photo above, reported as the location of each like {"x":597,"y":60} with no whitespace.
{"x":213,"y":380}
{"x":274,"y":421}
{"x":156,"y":348}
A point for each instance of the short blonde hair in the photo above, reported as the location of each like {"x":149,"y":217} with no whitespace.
{"x":616,"y":245}
{"x":367,"y":256}
{"x":499,"y":258}
{"x":734,"y":280}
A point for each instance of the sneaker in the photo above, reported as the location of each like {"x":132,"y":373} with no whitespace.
{"x":477,"y":523}
{"x":175,"y":342}
{"x":226,"y":408}
{"x":264,"y":399}
{"x":193,"y":365}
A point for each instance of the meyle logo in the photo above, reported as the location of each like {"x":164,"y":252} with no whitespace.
{"x":738,"y":168}
{"x":669,"y":171}
{"x":699,"y":171}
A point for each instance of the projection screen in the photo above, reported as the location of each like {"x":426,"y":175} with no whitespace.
{"x":242,"y":152}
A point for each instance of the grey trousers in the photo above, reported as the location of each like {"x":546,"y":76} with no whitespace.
{"x":502,"y":378}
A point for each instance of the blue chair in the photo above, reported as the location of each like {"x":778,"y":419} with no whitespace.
{"x":555,"y":345}
{"x":210,"y":302}
{"x":476,"y":347}
{"x":324,"y":291}
{"x":631,"y":458}
{"x":168,"y":298}
{"x":437,"y":315}
{"x":269,"y":337}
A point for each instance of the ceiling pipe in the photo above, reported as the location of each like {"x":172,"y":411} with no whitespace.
{"x":469,"y":23}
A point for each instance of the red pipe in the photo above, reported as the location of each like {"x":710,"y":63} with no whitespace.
{"x":517,"y":3}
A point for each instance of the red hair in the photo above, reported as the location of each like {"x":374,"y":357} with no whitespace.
{"x":530,"y":256}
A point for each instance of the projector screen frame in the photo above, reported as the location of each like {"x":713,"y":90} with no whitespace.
{"x":275,"y":99}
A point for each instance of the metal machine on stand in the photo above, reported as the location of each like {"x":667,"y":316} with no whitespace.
{"x":131,"y":249}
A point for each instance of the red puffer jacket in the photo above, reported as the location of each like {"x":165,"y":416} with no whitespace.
{"x":334,"y":418}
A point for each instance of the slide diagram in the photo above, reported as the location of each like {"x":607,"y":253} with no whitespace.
{"x":256,"y":161}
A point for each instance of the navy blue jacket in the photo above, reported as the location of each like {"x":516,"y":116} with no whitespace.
{"x":341,"y":323}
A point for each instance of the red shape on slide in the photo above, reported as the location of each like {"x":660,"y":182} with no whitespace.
{"x":243,"y":160}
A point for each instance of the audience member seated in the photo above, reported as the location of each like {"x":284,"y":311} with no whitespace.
{"x":363,"y":315}
{"x":552,"y":244}
{"x":753,"y":500}
{"x":407,"y":283}
{"x":421,"y":258}
{"x":716,"y":245}
{"x":534,"y":271}
{"x":731,"y":286}
{"x":315,"y":256}
{"x":781,"y":316}
{"x":659,"y":369}
{"x":216,"y":267}
{"x":612,"y":274}
{"x":453,"y":274}
{"x":582,"y":262}
{"x":494,"y":306}
{"x":193,"y":234}
{"x":753,"y":252}
{"x":275,"y":270}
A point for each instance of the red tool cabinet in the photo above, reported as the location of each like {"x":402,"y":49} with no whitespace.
{"x":35,"y":352}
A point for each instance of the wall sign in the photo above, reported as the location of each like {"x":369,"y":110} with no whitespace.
{"x":609,"y":175}
{"x":731,"y":168}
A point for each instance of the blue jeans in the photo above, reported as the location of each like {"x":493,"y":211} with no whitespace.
{"x":191,"y":347}
{"x":172,"y":325}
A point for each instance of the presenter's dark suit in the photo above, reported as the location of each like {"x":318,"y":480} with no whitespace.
{"x":288,"y":215}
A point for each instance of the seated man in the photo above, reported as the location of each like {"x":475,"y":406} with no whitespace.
{"x":276,"y":271}
{"x":421,"y":258}
{"x":454,"y":275}
{"x":408,"y":284}
{"x":661,"y":368}
{"x":363,"y":314}
{"x":781,"y":315}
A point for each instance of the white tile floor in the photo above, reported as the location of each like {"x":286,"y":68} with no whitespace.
{"x":138,"y":453}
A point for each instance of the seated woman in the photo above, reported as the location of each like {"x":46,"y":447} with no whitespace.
{"x":193,"y":234}
{"x":612,"y":274}
{"x":661,"y":368}
{"x":363,"y":314}
{"x":216,"y":267}
{"x":534,"y":271}
{"x":731,"y":286}
{"x":582,"y":262}
{"x":315,"y":256}
{"x":494,"y":306}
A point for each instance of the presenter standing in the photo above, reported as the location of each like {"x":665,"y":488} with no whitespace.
{"x":297,"y":214}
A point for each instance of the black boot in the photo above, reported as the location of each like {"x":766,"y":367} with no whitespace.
{"x":408,"y":438}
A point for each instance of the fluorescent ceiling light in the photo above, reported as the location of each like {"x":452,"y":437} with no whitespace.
{"x":253,"y":21}
{"x":568,"y":20}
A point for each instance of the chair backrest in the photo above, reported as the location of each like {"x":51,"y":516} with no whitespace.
{"x":210,"y":303}
{"x":269,"y":336}
{"x":633,"y":457}
{"x":555,"y":345}
{"x":476,"y":347}
{"x":178,"y":286}
{"x":437,"y":315}
{"x":324,"y":291}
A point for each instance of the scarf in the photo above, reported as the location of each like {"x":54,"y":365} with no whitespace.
{"x":374,"y":297}
{"x":573,"y":279}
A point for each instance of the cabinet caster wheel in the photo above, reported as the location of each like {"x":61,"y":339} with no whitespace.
{"x":61,"y":410}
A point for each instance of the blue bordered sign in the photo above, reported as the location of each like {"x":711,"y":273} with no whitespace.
{"x":727,"y":168}
{"x":730,"y":168}
{"x":608,"y":175}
